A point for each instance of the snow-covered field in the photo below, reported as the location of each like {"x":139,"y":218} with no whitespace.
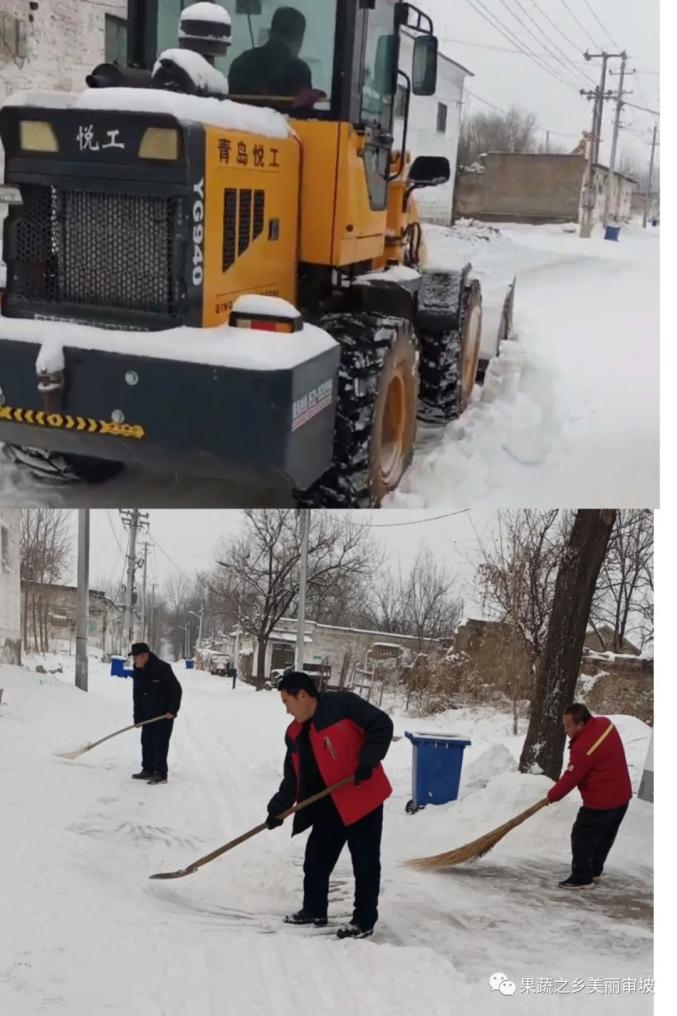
{"x":568,"y":415}
{"x":85,"y":933}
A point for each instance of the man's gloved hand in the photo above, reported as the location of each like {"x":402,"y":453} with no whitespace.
{"x":363,"y":773}
{"x":273,"y":822}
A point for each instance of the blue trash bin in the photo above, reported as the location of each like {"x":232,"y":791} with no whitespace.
{"x":612,"y":232}
{"x":436,"y":769}
{"x":117,"y":667}
{"x":190,"y":664}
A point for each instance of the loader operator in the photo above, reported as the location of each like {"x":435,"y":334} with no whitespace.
{"x":157,"y":692}
{"x":333,"y":736}
{"x":597,"y":766}
{"x":275,"y":70}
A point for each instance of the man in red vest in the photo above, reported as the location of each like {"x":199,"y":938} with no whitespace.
{"x":597,"y":766}
{"x":335,"y":735}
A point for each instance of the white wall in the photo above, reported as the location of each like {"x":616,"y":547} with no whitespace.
{"x":435,"y":203}
{"x":10,"y":595}
{"x":621,"y":194}
{"x":63,"y":43}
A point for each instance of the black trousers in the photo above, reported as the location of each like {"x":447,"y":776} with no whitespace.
{"x":592,"y":837}
{"x":326,"y":841}
{"x":155,"y":745}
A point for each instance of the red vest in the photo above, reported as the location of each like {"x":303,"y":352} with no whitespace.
{"x":597,"y":766}
{"x":337,"y":751}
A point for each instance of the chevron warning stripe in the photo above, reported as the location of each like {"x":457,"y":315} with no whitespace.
{"x":63,"y":421}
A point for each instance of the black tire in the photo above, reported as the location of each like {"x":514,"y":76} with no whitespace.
{"x":52,"y":466}
{"x":450,"y":360}
{"x":374,"y":437}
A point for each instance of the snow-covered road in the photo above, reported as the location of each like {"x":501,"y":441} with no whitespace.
{"x":84,"y":932}
{"x":569,"y":414}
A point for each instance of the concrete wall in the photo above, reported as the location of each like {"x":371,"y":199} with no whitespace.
{"x":434,"y":203}
{"x":10,"y":587}
{"x":617,"y":685}
{"x":516,"y":187}
{"x":325,"y":642}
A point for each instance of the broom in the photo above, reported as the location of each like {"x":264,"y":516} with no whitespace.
{"x":88,"y":747}
{"x":479,"y":847}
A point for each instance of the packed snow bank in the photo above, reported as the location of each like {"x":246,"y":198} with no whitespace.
{"x":85,"y":838}
{"x":572,"y":418}
{"x":223,"y":346}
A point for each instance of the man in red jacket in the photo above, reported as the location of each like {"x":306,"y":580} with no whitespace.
{"x":597,"y":766}
{"x":335,"y":735}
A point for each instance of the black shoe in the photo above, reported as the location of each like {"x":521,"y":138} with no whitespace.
{"x":145,"y":774}
{"x":354,"y":931}
{"x":157,"y":778}
{"x":576,"y":883}
{"x":303,"y":917}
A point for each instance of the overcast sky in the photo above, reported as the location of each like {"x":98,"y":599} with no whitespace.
{"x":183,"y":540}
{"x":505,"y":78}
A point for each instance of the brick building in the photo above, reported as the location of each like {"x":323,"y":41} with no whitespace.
{"x":533,"y":187}
{"x":10,"y":602}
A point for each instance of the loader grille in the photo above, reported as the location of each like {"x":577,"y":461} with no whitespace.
{"x":89,"y":249}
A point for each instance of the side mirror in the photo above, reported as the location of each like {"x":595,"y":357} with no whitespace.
{"x":424,"y":77}
{"x":429,"y":171}
{"x":386,"y":63}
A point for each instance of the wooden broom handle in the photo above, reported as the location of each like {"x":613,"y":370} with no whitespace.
{"x":125,"y":729}
{"x":259,"y":828}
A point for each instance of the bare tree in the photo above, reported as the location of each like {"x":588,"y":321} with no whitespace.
{"x":624,"y":597}
{"x":262,"y":567}
{"x":45,"y":548}
{"x":559,"y":666}
{"x":513,"y":131}
{"x":516,"y":576}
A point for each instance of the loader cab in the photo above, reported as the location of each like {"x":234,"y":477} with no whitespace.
{"x":347,"y":51}
{"x":343,"y":61}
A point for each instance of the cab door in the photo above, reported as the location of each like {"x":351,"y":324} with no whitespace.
{"x":377,"y":103}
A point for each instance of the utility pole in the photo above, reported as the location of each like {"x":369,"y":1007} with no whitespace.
{"x":134,"y":520}
{"x":647,"y":202}
{"x":143,"y":592}
{"x":153,"y":625}
{"x":82,"y":631}
{"x":547,"y":142}
{"x":600,"y":95}
{"x":614,"y":141}
{"x":303,"y":581}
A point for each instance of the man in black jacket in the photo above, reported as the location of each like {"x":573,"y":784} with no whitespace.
{"x":157,"y":692}
{"x":275,"y":69}
{"x":335,"y":737}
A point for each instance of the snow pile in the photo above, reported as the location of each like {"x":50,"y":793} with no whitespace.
{"x":396,"y":273}
{"x":475,"y":231}
{"x":223,"y":346}
{"x":514,"y":417}
{"x":494,"y":760}
{"x":200,"y":71}
{"x":234,"y":116}
{"x":270,"y":306}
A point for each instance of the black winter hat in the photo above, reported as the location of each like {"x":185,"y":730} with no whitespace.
{"x":138,"y":648}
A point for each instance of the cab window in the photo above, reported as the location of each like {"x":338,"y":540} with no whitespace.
{"x":379,"y":79}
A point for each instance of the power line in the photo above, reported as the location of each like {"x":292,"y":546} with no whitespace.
{"x":415,"y":522}
{"x":498,"y":109}
{"x":644,"y":109}
{"x":580,"y":24}
{"x":554,"y":24}
{"x":563,"y":63}
{"x":605,"y":30}
{"x":508,"y":34}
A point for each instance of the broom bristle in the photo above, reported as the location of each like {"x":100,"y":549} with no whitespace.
{"x":477,"y":848}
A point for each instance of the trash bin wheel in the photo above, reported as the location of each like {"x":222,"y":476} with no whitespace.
{"x":411,"y":808}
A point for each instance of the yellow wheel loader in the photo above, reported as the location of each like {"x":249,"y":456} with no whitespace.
{"x":234,"y":287}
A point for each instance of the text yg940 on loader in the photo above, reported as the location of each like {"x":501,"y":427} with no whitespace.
{"x":162,"y":236}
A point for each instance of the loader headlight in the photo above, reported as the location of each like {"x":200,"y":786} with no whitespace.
{"x":160,"y":143}
{"x":37,"y":136}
